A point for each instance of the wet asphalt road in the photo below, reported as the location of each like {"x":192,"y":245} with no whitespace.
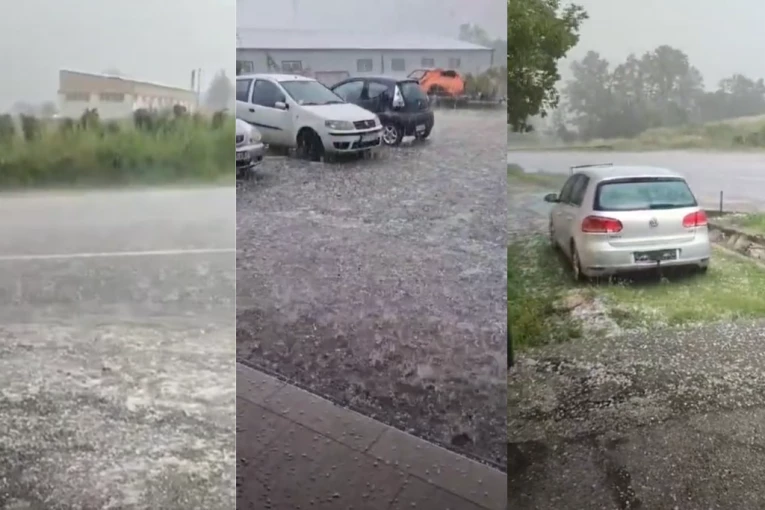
{"x":740,"y":176}
{"x":381,"y":283}
{"x":116,"y":372}
{"x":669,"y":420}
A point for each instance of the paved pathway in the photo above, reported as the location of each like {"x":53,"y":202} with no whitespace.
{"x":298,"y":451}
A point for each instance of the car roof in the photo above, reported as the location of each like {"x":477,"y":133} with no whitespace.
{"x":382,"y":78}
{"x":275,"y":77}
{"x":608,"y":172}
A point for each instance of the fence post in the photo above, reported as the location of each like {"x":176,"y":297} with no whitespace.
{"x":721,"y":201}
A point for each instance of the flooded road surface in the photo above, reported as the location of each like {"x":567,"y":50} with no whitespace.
{"x":740,"y":176}
{"x":381,"y":283}
{"x":116,"y":350}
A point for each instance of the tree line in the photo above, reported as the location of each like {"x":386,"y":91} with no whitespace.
{"x":661,"y":88}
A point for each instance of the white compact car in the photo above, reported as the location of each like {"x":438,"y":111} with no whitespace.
{"x":609,"y":219}
{"x":298,"y":112}
{"x":249,"y":149}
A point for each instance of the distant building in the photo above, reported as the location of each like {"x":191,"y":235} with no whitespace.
{"x":116,"y":97}
{"x":331,"y":56}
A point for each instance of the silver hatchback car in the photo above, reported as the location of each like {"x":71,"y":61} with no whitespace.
{"x":610,"y":219}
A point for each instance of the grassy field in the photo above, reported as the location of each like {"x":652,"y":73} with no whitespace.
{"x":187,"y":149}
{"x":541,"y":294}
{"x":752,"y":223}
{"x":516,"y":177}
{"x":746,"y":133}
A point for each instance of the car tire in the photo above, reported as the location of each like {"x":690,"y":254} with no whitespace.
{"x":424,"y":136}
{"x":553,"y":243}
{"x":392,"y":134}
{"x":309,"y":145}
{"x":576,"y":265}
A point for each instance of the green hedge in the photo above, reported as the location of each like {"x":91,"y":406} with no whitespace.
{"x":151,"y":148}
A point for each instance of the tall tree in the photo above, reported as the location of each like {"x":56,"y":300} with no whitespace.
{"x":539,"y":34}
{"x":220,"y":94}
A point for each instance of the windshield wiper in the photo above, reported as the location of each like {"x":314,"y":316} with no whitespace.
{"x":334,"y":101}
{"x":668,"y":206}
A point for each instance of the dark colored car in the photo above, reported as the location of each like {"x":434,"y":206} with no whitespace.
{"x":401,"y":105}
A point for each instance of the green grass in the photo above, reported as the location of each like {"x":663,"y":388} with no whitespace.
{"x":733,"y":288}
{"x":753,"y":222}
{"x":516,"y":177}
{"x":189,"y":150}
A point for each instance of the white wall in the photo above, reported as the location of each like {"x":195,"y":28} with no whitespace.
{"x":474,"y":62}
{"x":118,"y":110}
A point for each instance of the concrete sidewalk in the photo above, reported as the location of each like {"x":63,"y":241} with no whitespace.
{"x":297,"y":451}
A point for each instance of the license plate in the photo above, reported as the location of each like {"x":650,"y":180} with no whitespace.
{"x":370,"y":138}
{"x":420,"y":128}
{"x":242,"y":156}
{"x":655,"y":256}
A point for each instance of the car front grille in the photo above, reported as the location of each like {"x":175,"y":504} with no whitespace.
{"x":239,"y":139}
{"x":364,"y":124}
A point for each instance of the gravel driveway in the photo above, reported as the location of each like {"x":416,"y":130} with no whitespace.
{"x":381,"y":283}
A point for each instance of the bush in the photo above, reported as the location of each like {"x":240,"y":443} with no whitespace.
{"x":7,"y":129}
{"x":153,"y":148}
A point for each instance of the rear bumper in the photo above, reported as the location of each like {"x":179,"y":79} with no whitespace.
{"x":598,"y":259}
{"x":409,"y":121}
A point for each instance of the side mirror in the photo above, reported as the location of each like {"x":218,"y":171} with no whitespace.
{"x":551,"y":198}
{"x":281,"y":105}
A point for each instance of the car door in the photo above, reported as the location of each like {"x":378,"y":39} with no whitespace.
{"x":570,"y":209}
{"x":350,"y":91}
{"x":274,"y":124}
{"x":243,"y":87}
{"x":375,"y":96}
{"x":556,"y":214}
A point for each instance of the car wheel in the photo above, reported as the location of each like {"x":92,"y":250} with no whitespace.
{"x":392,"y":134}
{"x":310,"y":146}
{"x":422,"y":136}
{"x":576,"y":264}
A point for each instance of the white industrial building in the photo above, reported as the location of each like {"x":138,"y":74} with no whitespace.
{"x":332,"y":56}
{"x":116,"y":97}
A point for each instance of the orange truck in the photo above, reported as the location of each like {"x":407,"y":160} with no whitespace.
{"x":439,"y":82}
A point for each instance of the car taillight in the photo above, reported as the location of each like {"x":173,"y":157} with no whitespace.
{"x":695,"y":219}
{"x":601,"y":225}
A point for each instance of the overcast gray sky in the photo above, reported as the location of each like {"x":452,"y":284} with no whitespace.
{"x":153,"y":40}
{"x":441,"y":17}
{"x":719,"y":38}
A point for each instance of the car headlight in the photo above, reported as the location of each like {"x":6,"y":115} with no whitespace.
{"x":340,"y":125}
{"x":377,"y":121}
{"x":254,"y":136}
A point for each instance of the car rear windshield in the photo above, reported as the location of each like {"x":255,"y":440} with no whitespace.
{"x":412,"y":92}
{"x":643,"y":193}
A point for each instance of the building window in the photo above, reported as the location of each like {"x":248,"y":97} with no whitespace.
{"x":454,"y":63}
{"x":397,"y":64}
{"x":364,"y":65}
{"x":428,"y":62}
{"x":292,"y":66}
{"x":244,"y":67}
{"x":111,"y":97}
{"x":77,"y":96}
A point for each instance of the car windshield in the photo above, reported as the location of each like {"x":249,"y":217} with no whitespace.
{"x":643,"y":193}
{"x":412,"y":92}
{"x":309,"y":92}
{"x":417,"y":75}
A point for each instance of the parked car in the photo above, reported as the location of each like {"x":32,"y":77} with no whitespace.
{"x":249,"y":149}
{"x":439,"y":82}
{"x":400,"y":104}
{"x":294,"y":111}
{"x":610,"y":219}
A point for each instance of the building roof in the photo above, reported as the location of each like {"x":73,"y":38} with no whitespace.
{"x":290,"y":39}
{"x":124,"y":79}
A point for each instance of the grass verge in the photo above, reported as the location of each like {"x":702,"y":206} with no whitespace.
{"x":539,"y":286}
{"x":186,"y":150}
{"x":517,"y":177}
{"x":751,"y":222}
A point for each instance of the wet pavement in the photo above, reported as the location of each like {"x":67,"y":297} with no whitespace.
{"x":668,"y":419}
{"x":380,"y":284}
{"x":116,"y":353}
{"x":740,"y":176}
{"x":296,"y":450}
